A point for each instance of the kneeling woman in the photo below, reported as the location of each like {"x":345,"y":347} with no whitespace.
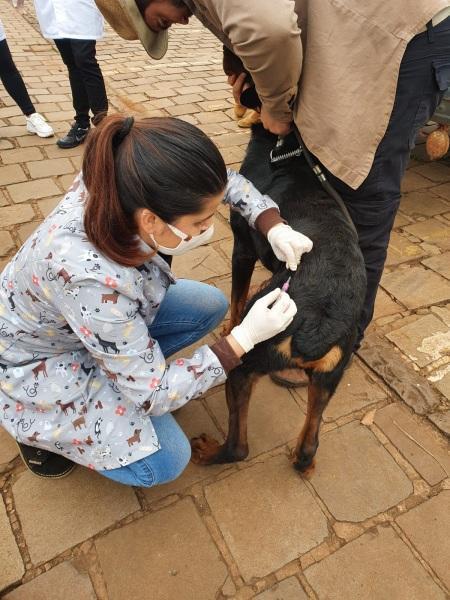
{"x":89,"y":311}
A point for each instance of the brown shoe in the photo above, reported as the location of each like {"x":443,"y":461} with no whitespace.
{"x":290,"y":378}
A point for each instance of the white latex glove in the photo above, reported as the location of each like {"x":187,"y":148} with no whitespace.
{"x":288,"y":245}
{"x":262,"y":322}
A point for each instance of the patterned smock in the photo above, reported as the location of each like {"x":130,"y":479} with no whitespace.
{"x":79,"y":373}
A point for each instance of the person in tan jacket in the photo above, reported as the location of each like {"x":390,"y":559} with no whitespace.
{"x":357,"y":78}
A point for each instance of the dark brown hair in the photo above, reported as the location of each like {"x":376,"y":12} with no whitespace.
{"x":142,"y":5}
{"x":164,"y":164}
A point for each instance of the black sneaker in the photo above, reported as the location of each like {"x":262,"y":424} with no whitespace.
{"x":74,"y":138}
{"x":44,"y":463}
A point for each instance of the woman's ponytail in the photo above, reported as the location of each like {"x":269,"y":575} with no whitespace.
{"x":107,"y":226}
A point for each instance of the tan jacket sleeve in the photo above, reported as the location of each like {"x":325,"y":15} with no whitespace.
{"x":265,"y":35}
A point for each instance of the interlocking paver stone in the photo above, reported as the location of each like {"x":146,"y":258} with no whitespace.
{"x":3,"y":199}
{"x":442,"y":419}
{"x":194,"y":420}
{"x":428,"y":527}
{"x":167,"y":555}
{"x":11,"y":173}
{"x":8,"y":448}
{"x":26,"y":230}
{"x":56,"y":515}
{"x":416,"y":287}
{"x":267,"y":516}
{"x":33,"y":190}
{"x":402,"y":250}
{"x":45,"y":168}
{"x":6,"y":243}
{"x":376,"y":566}
{"x":432,"y":231}
{"x":439,"y":263}
{"x":384,"y":305}
{"x":63,"y":581}
{"x":423,"y":203}
{"x":46,"y":206}
{"x":411,"y":387}
{"x":20,"y":155}
{"x":401,"y":220}
{"x":413,"y":181}
{"x":420,"y":340}
{"x":437,"y":171}
{"x":443,"y":190}
{"x":431,"y":458}
{"x":10,"y":215}
{"x":11,"y":563}
{"x":289,"y":589}
{"x":274,"y":416}
{"x":200,"y":264}
{"x":352,"y":469}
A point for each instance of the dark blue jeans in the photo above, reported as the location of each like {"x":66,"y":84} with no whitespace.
{"x":424,"y":76}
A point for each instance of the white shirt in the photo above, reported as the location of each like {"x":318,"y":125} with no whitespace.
{"x":2,"y":32}
{"x":73,"y":19}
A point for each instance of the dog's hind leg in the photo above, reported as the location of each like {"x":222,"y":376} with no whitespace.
{"x":206,"y":450}
{"x":320,"y":389}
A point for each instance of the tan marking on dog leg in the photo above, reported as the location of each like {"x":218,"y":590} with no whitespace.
{"x":328,"y":362}
{"x":325,"y":364}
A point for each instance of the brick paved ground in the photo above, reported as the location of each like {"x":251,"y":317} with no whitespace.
{"x":372,"y":521}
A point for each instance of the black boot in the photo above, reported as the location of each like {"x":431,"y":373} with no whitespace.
{"x":75,"y":136}
{"x":44,"y":463}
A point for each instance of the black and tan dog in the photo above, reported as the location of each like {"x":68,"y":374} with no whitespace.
{"x":328,"y":288}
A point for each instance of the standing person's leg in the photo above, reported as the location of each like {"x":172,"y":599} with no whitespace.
{"x":13,"y":82}
{"x":15,"y":86}
{"x":189,"y":311}
{"x":84,"y":55}
{"x":80,"y":100}
{"x":424,"y":75}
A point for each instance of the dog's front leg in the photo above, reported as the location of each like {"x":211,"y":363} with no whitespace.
{"x":206,"y":450}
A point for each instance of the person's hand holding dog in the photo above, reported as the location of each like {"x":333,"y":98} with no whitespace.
{"x":239,"y":85}
{"x":288,"y":245}
{"x":270,"y":315}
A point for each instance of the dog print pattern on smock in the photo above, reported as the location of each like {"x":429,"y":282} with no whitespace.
{"x":79,"y":373}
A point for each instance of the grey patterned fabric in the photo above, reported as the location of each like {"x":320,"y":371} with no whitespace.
{"x":79,"y":373}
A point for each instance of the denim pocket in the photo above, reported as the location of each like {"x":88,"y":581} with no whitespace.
{"x":441,"y":68}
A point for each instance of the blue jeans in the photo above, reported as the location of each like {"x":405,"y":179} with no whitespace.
{"x":189,"y":311}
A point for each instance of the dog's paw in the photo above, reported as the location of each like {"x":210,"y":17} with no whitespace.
{"x":305,"y":466}
{"x":205,"y":450}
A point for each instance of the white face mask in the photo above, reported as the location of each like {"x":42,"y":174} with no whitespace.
{"x":185,"y":244}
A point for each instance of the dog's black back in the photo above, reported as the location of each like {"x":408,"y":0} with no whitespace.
{"x":329,"y":285}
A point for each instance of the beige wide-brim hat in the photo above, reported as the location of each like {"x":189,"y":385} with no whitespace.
{"x":125,"y":18}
